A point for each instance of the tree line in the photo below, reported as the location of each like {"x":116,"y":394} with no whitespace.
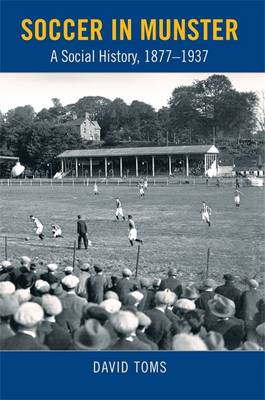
{"x":207,"y":110}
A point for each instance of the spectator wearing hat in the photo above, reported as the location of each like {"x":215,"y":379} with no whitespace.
{"x":144,"y":322}
{"x":182,"y":306}
{"x":172,"y":282}
{"x":109,"y":294}
{"x":91,"y":336}
{"x":229,"y":290}
{"x":96,"y":286}
{"x":6,"y":272}
{"x":7,"y":288}
{"x":111,"y":305}
{"x":24,"y":264}
{"x":73,"y":305}
{"x":190,"y":293}
{"x":134,"y":298}
{"x":159,"y":330}
{"x":188,"y":342}
{"x":248,"y":307}
{"x":69,"y":270}
{"x":22,"y":295}
{"x":83,"y":273}
{"x":145,"y":288}
{"x":230,"y":327}
{"x":125,"y":324}
{"x":57,"y":290}
{"x":102,"y":316}
{"x":39,"y":289}
{"x":49,"y":332}
{"x":125,"y":285}
{"x":50,"y":276}
{"x":8,"y":307}
{"x":207,"y":293}
{"x":27,"y":319}
{"x":23,"y":277}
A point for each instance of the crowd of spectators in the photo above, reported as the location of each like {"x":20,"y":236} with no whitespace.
{"x":85,"y":310}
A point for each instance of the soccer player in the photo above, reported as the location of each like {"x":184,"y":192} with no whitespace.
{"x":95,"y":188}
{"x":237,"y":198}
{"x":119,"y":211}
{"x":141,"y":189}
{"x":56,"y":231}
{"x":132,"y":231}
{"x":38,"y":227}
{"x":205,"y":213}
{"x":145,"y":184}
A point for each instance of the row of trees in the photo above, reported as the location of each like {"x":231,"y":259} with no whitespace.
{"x":194,"y":114}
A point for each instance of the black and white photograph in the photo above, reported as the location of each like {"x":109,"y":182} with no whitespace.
{"x":132,"y":211}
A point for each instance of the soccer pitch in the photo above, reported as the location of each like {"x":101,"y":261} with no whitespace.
{"x":167,"y":219}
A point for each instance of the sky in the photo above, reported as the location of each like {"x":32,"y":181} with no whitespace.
{"x":153,"y":88}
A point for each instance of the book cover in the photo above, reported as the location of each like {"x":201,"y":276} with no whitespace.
{"x":132,"y":176}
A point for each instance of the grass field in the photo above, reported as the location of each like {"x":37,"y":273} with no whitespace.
{"x":167,"y":219}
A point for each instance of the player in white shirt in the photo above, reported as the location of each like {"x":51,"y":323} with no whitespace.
{"x":38,"y":227}
{"x":145,"y":184}
{"x":237,"y":198}
{"x":206,"y":213}
{"x":132,"y":232}
{"x":141,"y":189}
{"x":95,"y":188}
{"x":56,"y":231}
{"x":119,"y":210}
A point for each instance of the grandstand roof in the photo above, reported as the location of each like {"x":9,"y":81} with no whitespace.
{"x":139,"y":151}
{"x":8,"y":158}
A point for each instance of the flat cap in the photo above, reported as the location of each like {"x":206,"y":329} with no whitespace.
{"x":69,"y":269}
{"x":42,"y":286}
{"x":111,"y":305}
{"x":51,"y":305}
{"x":85,"y":267}
{"x":22,"y":295}
{"x":70,"y":281}
{"x":7,"y":287}
{"x":136,"y":296}
{"x":253,"y":284}
{"x":185,"y":304}
{"x":126,"y":272}
{"x":124,"y":322}
{"x":164,"y":297}
{"x":29,"y":314}
{"x":111,"y":295}
{"x":25,"y":260}
{"x":52,"y":267}
{"x":188,"y":342}
{"x":6,"y":264}
{"x":144,"y":320}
